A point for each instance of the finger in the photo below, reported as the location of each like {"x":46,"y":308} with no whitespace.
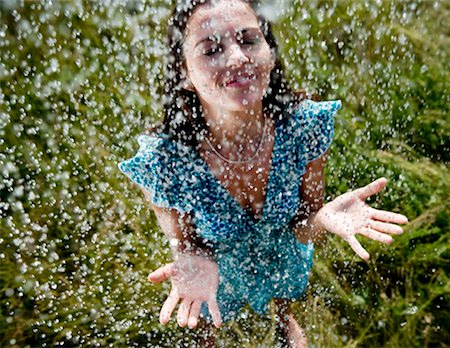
{"x":168,"y":307}
{"x":357,"y":248}
{"x":215,"y":312}
{"x":161,"y":274}
{"x":385,"y":227}
{"x":183,"y":312}
{"x":194,"y":313}
{"x":388,"y":216}
{"x":373,"y":188}
{"x":375,"y":235}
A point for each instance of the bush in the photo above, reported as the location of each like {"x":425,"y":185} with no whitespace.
{"x":80,"y":80}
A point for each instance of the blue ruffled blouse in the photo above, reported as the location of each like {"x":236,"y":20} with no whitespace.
{"x":258,"y":260}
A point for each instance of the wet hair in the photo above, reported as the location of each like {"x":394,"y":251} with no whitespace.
{"x":183,"y":120}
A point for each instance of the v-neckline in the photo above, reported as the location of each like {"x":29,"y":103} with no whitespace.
{"x":248,"y":212}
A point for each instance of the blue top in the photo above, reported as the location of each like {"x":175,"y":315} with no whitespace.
{"x":257,"y":260}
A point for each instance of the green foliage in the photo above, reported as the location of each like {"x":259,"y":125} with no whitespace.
{"x":80,"y":80}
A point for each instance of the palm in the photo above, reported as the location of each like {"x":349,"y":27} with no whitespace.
{"x":195,"y":277}
{"x":349,"y":215}
{"x":194,"y":280}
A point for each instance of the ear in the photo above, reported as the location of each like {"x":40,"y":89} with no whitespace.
{"x":187,"y":84}
{"x":272,"y":59}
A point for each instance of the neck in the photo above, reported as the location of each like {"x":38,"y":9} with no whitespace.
{"x":234,"y":130}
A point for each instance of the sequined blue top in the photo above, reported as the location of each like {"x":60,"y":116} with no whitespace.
{"x":258,"y":259}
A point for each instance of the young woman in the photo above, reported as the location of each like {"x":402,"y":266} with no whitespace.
{"x":235,"y":172}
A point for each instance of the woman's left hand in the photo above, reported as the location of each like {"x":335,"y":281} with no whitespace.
{"x":348,"y":215}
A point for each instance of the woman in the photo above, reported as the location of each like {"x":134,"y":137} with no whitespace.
{"x":235,"y":172}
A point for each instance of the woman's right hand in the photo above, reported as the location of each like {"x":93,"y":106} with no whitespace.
{"x":195,"y":280}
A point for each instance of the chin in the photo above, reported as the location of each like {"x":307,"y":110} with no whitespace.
{"x":247,"y":102}
{"x":244,"y":100}
{"x":239,"y":105}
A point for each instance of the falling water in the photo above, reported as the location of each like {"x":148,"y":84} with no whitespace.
{"x":79,"y":81}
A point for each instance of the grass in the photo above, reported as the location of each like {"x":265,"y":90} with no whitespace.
{"x":79,"y":82}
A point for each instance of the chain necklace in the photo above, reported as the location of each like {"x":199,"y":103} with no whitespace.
{"x":223,"y":158}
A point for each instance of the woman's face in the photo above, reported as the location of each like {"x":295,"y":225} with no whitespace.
{"x":228,"y":60}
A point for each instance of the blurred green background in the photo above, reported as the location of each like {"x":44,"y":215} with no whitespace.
{"x":80,"y":80}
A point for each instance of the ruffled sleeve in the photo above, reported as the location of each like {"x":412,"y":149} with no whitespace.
{"x":315,"y":127}
{"x":161,"y":172}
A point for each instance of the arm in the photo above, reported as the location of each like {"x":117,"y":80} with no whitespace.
{"x":346,"y":216}
{"x":179,"y":230}
{"x":306,"y":226}
{"x":194,"y":274}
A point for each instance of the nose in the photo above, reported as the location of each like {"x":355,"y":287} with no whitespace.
{"x":236,"y":57}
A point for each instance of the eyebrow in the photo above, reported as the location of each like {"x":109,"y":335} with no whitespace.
{"x":215,"y":38}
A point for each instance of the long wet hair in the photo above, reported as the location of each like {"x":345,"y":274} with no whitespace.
{"x":183,"y":120}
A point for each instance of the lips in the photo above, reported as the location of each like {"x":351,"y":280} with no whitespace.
{"x":240,"y":80}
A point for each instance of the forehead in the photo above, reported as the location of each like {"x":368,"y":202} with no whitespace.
{"x":225,"y":16}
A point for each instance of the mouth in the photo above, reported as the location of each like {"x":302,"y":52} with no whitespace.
{"x":241,"y":80}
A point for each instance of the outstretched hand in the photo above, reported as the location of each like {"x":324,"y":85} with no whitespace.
{"x":194,"y":280}
{"x":348,"y":215}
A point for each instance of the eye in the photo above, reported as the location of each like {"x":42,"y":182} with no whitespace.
{"x":249,"y":40}
{"x":212,"y":50}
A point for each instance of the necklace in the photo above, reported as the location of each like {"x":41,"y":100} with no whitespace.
{"x":223,"y":158}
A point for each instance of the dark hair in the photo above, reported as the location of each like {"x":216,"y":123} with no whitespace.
{"x":183,"y":120}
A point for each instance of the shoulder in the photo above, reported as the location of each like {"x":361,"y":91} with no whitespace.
{"x":157,"y":153}
{"x":310,"y":117}
{"x":161,"y":145}
{"x":313,"y":125}
{"x":308,"y":110}
{"x":161,"y":168}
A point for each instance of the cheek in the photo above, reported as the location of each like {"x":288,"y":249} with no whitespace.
{"x":206,"y":68}
{"x":265,"y":66}
{"x":204,"y":80}
{"x":213,"y":64}
{"x":264,"y":58}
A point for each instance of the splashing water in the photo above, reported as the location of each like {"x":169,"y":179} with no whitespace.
{"x":80,"y":80}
